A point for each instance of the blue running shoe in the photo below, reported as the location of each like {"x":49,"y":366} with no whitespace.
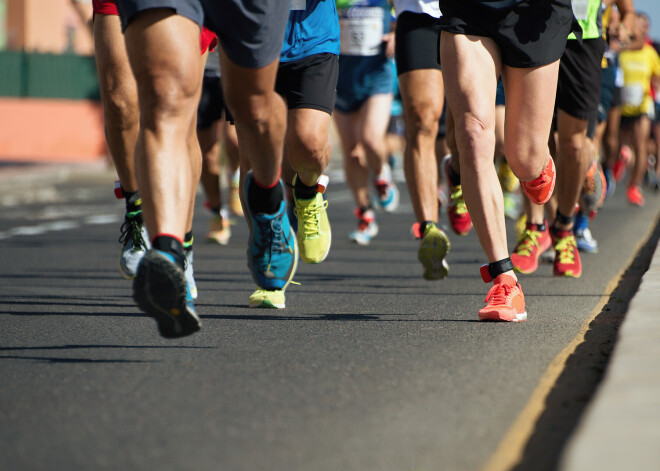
{"x":272,"y":249}
{"x":161,"y":291}
{"x":583,"y":238}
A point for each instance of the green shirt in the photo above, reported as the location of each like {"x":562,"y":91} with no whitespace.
{"x":589,"y":15}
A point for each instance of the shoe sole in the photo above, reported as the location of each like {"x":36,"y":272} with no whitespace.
{"x":495,"y":316}
{"x":160,"y":292}
{"x":432,"y":255}
{"x":266,"y":304}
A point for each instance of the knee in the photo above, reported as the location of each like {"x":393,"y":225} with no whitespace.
{"x":309,"y":144}
{"x":421,"y":123}
{"x":122,"y":110}
{"x":472,"y":134}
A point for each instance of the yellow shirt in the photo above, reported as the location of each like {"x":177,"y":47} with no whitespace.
{"x":638,"y":67}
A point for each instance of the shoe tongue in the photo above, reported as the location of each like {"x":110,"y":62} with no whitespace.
{"x":505,"y":279}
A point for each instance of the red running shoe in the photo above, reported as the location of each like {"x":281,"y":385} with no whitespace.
{"x":459,"y":218}
{"x":531,"y":244}
{"x":635,"y":196}
{"x":619,"y":167}
{"x":567,"y":258}
{"x":505,"y":301}
{"x":540,"y":189}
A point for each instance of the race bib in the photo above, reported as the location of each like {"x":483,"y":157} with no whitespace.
{"x":298,"y":5}
{"x":632,"y":95}
{"x":361,"y":33}
{"x":580,"y":9}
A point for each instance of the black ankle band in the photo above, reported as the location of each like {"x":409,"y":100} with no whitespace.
{"x":564,"y":220}
{"x":495,"y":269}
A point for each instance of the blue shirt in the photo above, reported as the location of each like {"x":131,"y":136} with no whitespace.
{"x":314,"y":30}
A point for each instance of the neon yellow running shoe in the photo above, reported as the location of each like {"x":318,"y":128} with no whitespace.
{"x":314,"y":234}
{"x":265,"y":299}
{"x":433,"y":252}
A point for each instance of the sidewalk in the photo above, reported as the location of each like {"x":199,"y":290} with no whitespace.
{"x":621,"y":427}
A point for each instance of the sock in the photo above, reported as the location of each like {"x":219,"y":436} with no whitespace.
{"x":171,"y":245}
{"x":265,"y":200}
{"x":454,"y":177}
{"x":133,"y":201}
{"x":188,"y":241}
{"x":303,"y":191}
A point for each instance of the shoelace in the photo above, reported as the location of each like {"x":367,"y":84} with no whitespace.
{"x":458,"y":200}
{"x":131,"y":230}
{"x":499,"y":294}
{"x":311,"y":218}
{"x":273,"y":239}
{"x":566,"y":247}
{"x":527,"y":242}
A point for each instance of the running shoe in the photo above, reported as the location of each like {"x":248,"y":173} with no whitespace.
{"x":272,"y":249}
{"x":634,"y":195}
{"x":593,"y":191}
{"x":505,"y":301}
{"x":583,"y":238}
{"x":265,"y":299}
{"x":219,"y":229}
{"x":567,"y":258}
{"x":234,"y":195}
{"x":619,"y":167}
{"x":314,"y":234}
{"x":161,"y":291}
{"x":188,"y":269}
{"x":135,"y":243}
{"x":540,"y":189}
{"x":367,"y":227}
{"x":512,"y":205}
{"x":459,"y":218}
{"x":432,"y":253}
{"x":531,"y":244}
{"x":388,"y":193}
{"x":508,"y":180}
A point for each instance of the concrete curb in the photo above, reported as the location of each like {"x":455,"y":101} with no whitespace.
{"x":621,"y":426}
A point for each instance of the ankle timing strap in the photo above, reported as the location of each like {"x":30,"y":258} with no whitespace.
{"x":492,"y":270}
{"x":564,"y":220}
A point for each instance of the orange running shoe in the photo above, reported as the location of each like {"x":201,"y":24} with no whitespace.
{"x":459,"y":218}
{"x":567,"y":258}
{"x":635,"y":196}
{"x":505,"y":301}
{"x":540,"y":189}
{"x":531,"y":244}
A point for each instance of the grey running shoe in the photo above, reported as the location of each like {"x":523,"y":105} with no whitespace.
{"x":135,"y":242}
{"x":161,"y":291}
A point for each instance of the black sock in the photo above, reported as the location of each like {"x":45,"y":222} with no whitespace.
{"x":170,"y":245}
{"x":188,"y":241}
{"x":454,"y":176}
{"x":265,"y":200}
{"x":303,"y":191}
{"x":133,"y":201}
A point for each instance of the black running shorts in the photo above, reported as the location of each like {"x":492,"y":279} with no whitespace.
{"x":310,"y":82}
{"x":251,"y":31}
{"x":530,"y":33}
{"x":417,"y":36}
{"x":578,"y":87}
{"x":211,"y":103}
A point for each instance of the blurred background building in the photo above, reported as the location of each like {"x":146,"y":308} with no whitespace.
{"x":49,"y":99}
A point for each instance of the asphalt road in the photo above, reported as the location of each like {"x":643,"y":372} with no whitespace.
{"x":369,"y":367}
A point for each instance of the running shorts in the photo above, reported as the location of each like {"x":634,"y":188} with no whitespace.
{"x":104,"y":7}
{"x":251,"y":31}
{"x":361,"y":77}
{"x":499,"y":93}
{"x":531,"y":33}
{"x":211,"y":102}
{"x":207,"y":38}
{"x":416,"y":47}
{"x":578,"y":85}
{"x":310,"y":82}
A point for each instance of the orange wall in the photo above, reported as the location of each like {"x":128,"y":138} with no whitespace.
{"x":43,"y":25}
{"x":42,"y":130}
